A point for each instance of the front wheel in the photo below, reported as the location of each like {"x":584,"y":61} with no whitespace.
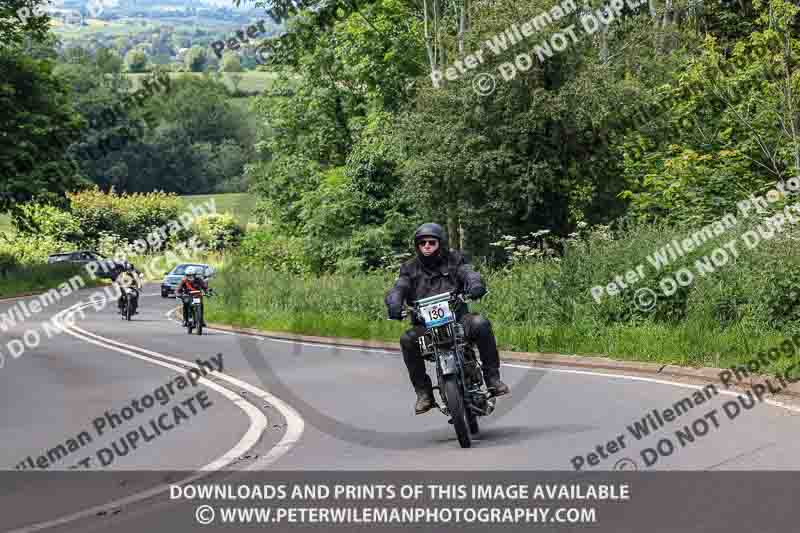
{"x":128,"y":308}
{"x":198,"y":315}
{"x":189,"y":322}
{"x":455,"y":404}
{"x":472,"y":421}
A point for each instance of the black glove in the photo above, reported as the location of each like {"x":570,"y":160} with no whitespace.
{"x":395,"y":314}
{"x":476,"y":292}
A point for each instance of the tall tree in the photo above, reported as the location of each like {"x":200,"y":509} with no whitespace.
{"x":136,"y":61}
{"x":37,"y":124}
{"x":196,"y":59}
{"x":21,"y":20}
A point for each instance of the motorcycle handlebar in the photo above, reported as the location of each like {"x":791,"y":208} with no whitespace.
{"x":460,"y":296}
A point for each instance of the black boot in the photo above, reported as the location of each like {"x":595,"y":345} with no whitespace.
{"x":495,"y":384}
{"x":424,"y":400}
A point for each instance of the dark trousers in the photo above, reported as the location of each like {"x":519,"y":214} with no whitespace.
{"x":187,"y":309}
{"x":477,"y":329}
{"x":134,"y":299}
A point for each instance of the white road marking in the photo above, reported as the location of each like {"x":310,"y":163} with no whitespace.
{"x":595,"y":373}
{"x":294,"y":430}
{"x":295,"y":424}
{"x":774,"y":403}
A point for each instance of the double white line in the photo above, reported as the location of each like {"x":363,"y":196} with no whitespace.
{"x":258,"y":422}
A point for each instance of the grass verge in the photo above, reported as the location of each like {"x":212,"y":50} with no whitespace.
{"x":38,"y":278}
{"x":352,"y":306}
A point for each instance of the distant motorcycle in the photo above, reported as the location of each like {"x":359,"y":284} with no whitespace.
{"x":130,"y":299}
{"x":459,"y":377}
{"x":195,"y":301}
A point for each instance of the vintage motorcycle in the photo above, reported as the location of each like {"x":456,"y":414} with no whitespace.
{"x":130,"y":299}
{"x":195,"y":301}
{"x":459,"y":378}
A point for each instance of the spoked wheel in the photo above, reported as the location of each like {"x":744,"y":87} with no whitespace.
{"x":198,"y":313}
{"x":189,"y":324}
{"x":455,"y":404}
{"x":128,"y":308}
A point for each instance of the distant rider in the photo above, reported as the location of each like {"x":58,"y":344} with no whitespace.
{"x":125,"y":275}
{"x":437,"y":269}
{"x":191,"y":282}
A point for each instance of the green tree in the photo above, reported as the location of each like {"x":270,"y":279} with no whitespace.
{"x":22,"y":20}
{"x":230,"y":63}
{"x":38,"y":123}
{"x":108,"y":60}
{"x":136,"y":61}
{"x":123,"y":44}
{"x":196,"y":59}
{"x":729,"y":125}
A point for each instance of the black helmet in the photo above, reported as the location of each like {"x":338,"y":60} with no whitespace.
{"x":431,"y":229}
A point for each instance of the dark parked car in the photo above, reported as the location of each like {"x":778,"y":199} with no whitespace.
{"x":84,"y":257}
{"x":174,"y":277}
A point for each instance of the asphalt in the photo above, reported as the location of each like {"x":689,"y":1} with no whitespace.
{"x":330,"y":408}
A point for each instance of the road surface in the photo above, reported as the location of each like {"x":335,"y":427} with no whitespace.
{"x":285,"y":406}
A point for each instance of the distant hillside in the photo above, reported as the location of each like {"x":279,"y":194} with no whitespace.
{"x":251,"y":81}
{"x":240,"y":205}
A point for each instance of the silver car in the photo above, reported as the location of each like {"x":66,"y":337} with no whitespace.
{"x":83,"y":258}
{"x":173,"y":278}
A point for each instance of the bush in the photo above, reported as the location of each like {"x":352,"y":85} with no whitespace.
{"x":8,"y":261}
{"x":26,"y":250}
{"x":218,"y":231}
{"x":47,"y":221}
{"x":265,"y":250}
{"x":128,"y":216}
{"x":110,"y":244}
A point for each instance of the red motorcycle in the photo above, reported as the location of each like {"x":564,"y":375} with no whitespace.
{"x":194,"y":302}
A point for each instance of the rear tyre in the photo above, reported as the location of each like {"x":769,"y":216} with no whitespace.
{"x":455,"y":404}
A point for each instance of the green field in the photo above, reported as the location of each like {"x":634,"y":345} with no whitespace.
{"x":5,"y":223}
{"x":129,"y":26}
{"x":240,"y":205}
{"x":250,"y":81}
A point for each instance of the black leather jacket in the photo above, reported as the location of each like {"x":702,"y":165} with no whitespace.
{"x":417,"y":281}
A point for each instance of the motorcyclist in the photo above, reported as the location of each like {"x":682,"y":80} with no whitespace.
{"x":437,"y":269}
{"x":125,"y":275}
{"x":191,"y":281}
